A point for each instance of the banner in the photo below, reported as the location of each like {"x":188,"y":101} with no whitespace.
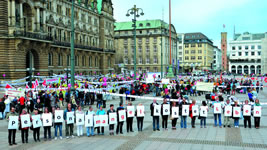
{"x":217,"y":108}
{"x":130,"y":111}
{"x":247,"y":110}
{"x":112,"y":118}
{"x":89,"y":121}
{"x":195,"y":110}
{"x":237,"y":112}
{"x":257,"y":111}
{"x":185,"y":110}
{"x":97,"y":121}
{"x":157,"y":110}
{"x":175,"y":112}
{"x":14,"y":93}
{"x":59,"y":116}
{"x":52,"y":80}
{"x":228,"y":111}
{"x":166,"y":109}
{"x":13,"y":122}
{"x":122,"y":115}
{"x":47,"y":119}
{"x":70,"y":117}
{"x":140,"y":111}
{"x":36,"y":121}
{"x":203,"y":86}
{"x":203,"y":111}
{"x":103,"y":120}
{"x":25,"y":121}
{"x":79,"y":119}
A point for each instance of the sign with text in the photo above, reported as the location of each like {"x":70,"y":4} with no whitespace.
{"x":88,"y":122}
{"x":257,"y":111}
{"x":217,"y":109}
{"x":13,"y":122}
{"x":237,"y":112}
{"x":228,"y":111}
{"x":157,"y":110}
{"x":70,"y":117}
{"x":185,"y":110}
{"x":122,"y":115}
{"x":166,"y":109}
{"x":103,"y":120}
{"x":25,"y":121}
{"x":130,"y":111}
{"x":175,"y":112}
{"x":97,"y":121}
{"x":195,"y":110}
{"x":247,"y":110}
{"x":140,"y":111}
{"x":79,"y":119}
{"x":47,"y":119}
{"x":203,"y":111}
{"x":59,"y":116}
{"x":112,"y":118}
{"x":36,"y":121}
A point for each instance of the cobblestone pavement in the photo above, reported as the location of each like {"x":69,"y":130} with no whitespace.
{"x":190,"y":138}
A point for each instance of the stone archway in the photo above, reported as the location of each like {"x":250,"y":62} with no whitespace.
{"x":233,"y":69}
{"x":239,"y":69}
{"x":32,"y":61}
{"x":252,"y":69}
{"x":246,"y":69}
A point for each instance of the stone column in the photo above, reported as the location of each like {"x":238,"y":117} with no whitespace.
{"x":242,"y":69}
{"x":37,"y":21}
{"x":21,"y":15}
{"x":13,"y":9}
{"x":249,"y":71}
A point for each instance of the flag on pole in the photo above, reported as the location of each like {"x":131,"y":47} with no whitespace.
{"x":36,"y":83}
{"x":33,"y":86}
{"x":44,"y":83}
{"x":8,"y":86}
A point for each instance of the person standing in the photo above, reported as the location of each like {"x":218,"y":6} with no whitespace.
{"x":36,"y":131}
{"x":155,"y":118}
{"x":202,"y":118}
{"x":193,"y":118}
{"x":140,"y":120}
{"x":174,"y":120}
{"x":88,"y":129}
{"x":24,"y":131}
{"x":236,"y":119}
{"x":217,"y":116}
{"x":47,"y":129}
{"x":247,"y":119}
{"x":69,"y":127}
{"x":183,"y":118}
{"x":257,"y":119}
{"x":227,"y":118}
{"x":164,"y":117}
{"x":79,"y":127}
{"x":11,"y":132}
{"x":58,"y":126}
{"x":111,"y":126}
{"x":99,"y":112}
{"x":119,"y":124}
{"x":129,"y":120}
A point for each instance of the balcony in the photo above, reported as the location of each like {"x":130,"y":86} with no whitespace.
{"x":109,"y":51}
{"x":32,"y":35}
{"x":66,"y":44}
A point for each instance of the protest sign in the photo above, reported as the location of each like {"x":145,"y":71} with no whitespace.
{"x":13,"y":122}
{"x":246,"y":110}
{"x":228,"y":111}
{"x":166,"y":109}
{"x":103,"y":120}
{"x":175,"y":112}
{"x":257,"y":111}
{"x":217,"y":108}
{"x":97,"y":121}
{"x":203,"y":111}
{"x":195,"y":110}
{"x":36,"y":121}
{"x":185,"y":110}
{"x":112,"y":118}
{"x":79,"y":119}
{"x":157,"y":110}
{"x":59,"y":116}
{"x":237,"y":112}
{"x":25,"y":121}
{"x":130,"y":111}
{"x":47,"y":119}
{"x":140,"y":111}
{"x":122,"y":115}
{"x":89,"y":121}
{"x":70,"y":117}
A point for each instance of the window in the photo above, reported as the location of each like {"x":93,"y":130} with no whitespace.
{"x":90,"y":61}
{"x":193,"y":51}
{"x":148,"y":24}
{"x":246,"y":47}
{"x":140,"y":25}
{"x":125,"y":50}
{"x":259,"y":53}
{"x":180,"y":47}
{"x":239,"y":53}
{"x":199,"y":57}
{"x":155,"y":30}
{"x":155,"y":49}
{"x":147,"y":40}
{"x":59,"y":60}
{"x":59,"y":10}
{"x":68,"y":60}
{"x":252,"y":46}
{"x":132,"y":49}
{"x":132,"y":62}
{"x":239,"y":47}
{"x":95,"y":22}
{"x":186,"y":45}
{"x":193,"y":45}
{"x":233,"y":54}
{"x":139,"y":40}
{"x":252,"y":53}
{"x":155,"y":59}
{"x":147,"y":49}
{"x":199,"y":45}
{"x":50,"y":59}
{"x":180,"y":53}
{"x":89,"y":20}
{"x":180,"y":58}
{"x":233,"y":47}
{"x":246,"y":53}
{"x":126,"y":32}
{"x":96,"y":62}
{"x":140,"y":49}
{"x":193,"y":57}
{"x":140,"y":32}
{"x":126,"y":60}
{"x":155,"y":69}
{"x":155,"y":40}
{"x":76,"y":61}
{"x":186,"y":57}
{"x":125,"y":41}
{"x":187,"y":52}
{"x":259,"y":46}
{"x":147,"y":69}
{"x":140,"y":60}
{"x":147,"y":60}
{"x":199,"y":51}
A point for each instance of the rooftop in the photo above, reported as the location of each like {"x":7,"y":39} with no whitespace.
{"x":249,"y":36}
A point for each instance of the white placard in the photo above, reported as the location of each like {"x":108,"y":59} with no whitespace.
{"x":157,"y":110}
{"x":79,"y":119}
{"x":130,"y":111}
{"x":70,"y":117}
{"x":237,"y":112}
{"x":175,"y":112}
{"x":112,"y":118}
{"x":13,"y":122}
{"x":203,"y":111}
{"x":257,"y":111}
{"x":25,"y":121}
{"x":97,"y":121}
{"x":59,"y":116}
{"x":122,"y":115}
{"x":166,"y":109}
{"x":217,"y":108}
{"x":103,"y":120}
{"x":36,"y":121}
{"x":185,"y":110}
{"x":195,"y":110}
{"x":228,"y":111}
{"x":140,"y":111}
{"x":247,"y":110}
{"x":88,"y":122}
{"x":47,"y":119}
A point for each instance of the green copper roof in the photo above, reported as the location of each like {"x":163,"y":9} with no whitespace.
{"x":145,"y":24}
{"x":99,"y":6}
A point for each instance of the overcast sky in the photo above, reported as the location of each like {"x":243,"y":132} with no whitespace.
{"x":206,"y":16}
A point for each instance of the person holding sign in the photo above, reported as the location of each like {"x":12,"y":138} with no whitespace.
{"x":69,"y":127}
{"x":217,"y":110}
{"x":155,"y":112}
{"x":173,"y":118}
{"x":12,"y":132}
{"x":140,"y":113}
{"x":256,"y":117}
{"x":129,"y":117}
{"x":58,"y":122}
{"x":183,"y":117}
{"x":236,"y":114}
{"x":193,"y":118}
{"x":79,"y":127}
{"x":47,"y":129}
{"x":165,"y":112}
{"x":119,"y":124}
{"x":226,"y":111}
{"x":203,"y":114}
{"x":36,"y":131}
{"x":90,"y":128}
{"x":111,"y":126}
{"x":24,"y":122}
{"x":247,"y":114}
{"x":101,"y":111}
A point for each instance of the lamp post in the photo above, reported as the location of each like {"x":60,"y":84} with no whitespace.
{"x":136,"y":12}
{"x":67,"y":70}
{"x":72,"y":47}
{"x":31,"y":69}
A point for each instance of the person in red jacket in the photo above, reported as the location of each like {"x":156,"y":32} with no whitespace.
{"x":22,"y":103}
{"x":193,"y":118}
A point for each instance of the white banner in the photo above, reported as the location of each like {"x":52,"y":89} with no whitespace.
{"x":228,"y":111}
{"x":59,"y":116}
{"x":217,"y":108}
{"x":112,"y":118}
{"x":47,"y":119}
{"x":175,"y":112}
{"x":13,"y":122}
{"x":130,"y":111}
{"x":203,"y":111}
{"x":185,"y":110}
{"x":70,"y":117}
{"x":257,"y":111}
{"x":195,"y":110}
{"x":157,"y":110}
{"x":89,"y":121}
{"x":247,"y":110}
{"x":36,"y":121}
{"x":97,"y":121}
{"x":122,"y":115}
{"x":140,"y":111}
{"x":103,"y":120}
{"x":166,"y":109}
{"x":237,"y":112}
{"x":79,"y":119}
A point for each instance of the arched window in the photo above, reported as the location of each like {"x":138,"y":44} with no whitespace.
{"x":50,"y":59}
{"x":76,"y":60}
{"x":60,"y":60}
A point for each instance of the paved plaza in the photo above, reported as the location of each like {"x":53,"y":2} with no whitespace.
{"x":190,"y":138}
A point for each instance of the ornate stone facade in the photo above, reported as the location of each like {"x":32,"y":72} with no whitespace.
{"x":37,"y":33}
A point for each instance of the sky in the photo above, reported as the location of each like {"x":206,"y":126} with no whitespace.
{"x":206,"y":16}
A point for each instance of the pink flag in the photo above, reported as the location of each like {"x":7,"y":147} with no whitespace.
{"x":27,"y":86}
{"x":33,"y":86}
{"x":36,"y":83}
{"x":44,"y":83}
{"x":8,"y":86}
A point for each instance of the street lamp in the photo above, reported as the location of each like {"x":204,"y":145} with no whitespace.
{"x":67,"y":70}
{"x":163,"y":32}
{"x":136,"y":12}
{"x":72,"y":48}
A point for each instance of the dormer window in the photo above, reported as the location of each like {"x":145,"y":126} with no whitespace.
{"x":148,"y":24}
{"x":140,"y":25}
